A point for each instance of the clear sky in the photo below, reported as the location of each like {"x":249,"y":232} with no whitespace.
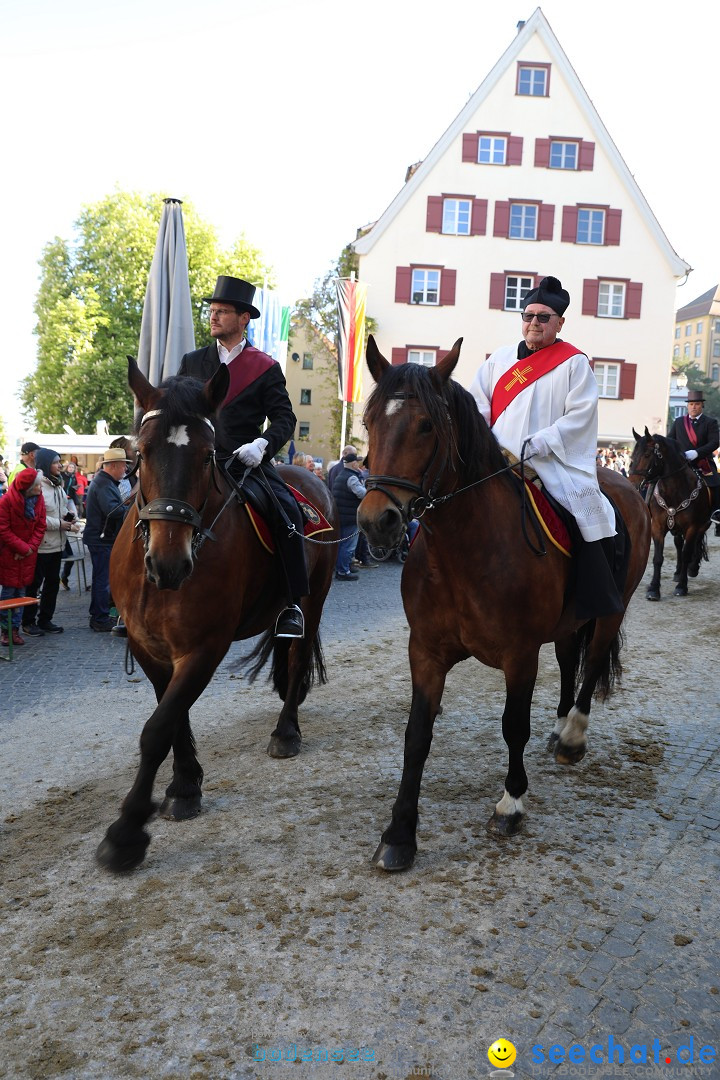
{"x":293,"y":121}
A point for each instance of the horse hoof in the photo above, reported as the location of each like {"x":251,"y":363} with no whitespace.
{"x":504,"y":824}
{"x":284,"y":748}
{"x":121,"y":859}
{"x":569,"y":755}
{"x":681,"y":590}
{"x":393,"y":857}
{"x":693,"y":571}
{"x":652,"y":594}
{"x":552,"y":742}
{"x":176,"y":809}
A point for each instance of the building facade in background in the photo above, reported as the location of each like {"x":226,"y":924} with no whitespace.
{"x":311,"y":377}
{"x":697,"y":334}
{"x":527,"y":182}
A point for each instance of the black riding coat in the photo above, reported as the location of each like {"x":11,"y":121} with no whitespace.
{"x":708,"y":437}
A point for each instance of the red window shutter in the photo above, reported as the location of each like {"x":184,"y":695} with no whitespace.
{"x":514,"y":150}
{"x":569,"y":225}
{"x":633,"y":300}
{"x":497,"y":291}
{"x":586,"y":156}
{"x":399,"y":356}
{"x":501,"y":226}
{"x":433,"y":222}
{"x":591,"y":288}
{"x":478,"y":220}
{"x":403,"y":280}
{"x":613,"y":219}
{"x":542,"y":153}
{"x":447,"y":286}
{"x":470,"y":146}
{"x":628,"y":373}
{"x":546,"y":221}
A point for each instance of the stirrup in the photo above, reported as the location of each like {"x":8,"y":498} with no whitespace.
{"x":715,"y":517}
{"x":295,"y":627}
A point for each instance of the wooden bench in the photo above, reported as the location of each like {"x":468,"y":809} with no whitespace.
{"x":9,"y":606}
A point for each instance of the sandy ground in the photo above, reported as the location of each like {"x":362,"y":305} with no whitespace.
{"x":261,"y":925}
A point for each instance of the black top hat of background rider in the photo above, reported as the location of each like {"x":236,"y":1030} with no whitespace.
{"x":235,"y":291}
{"x":695,"y":395}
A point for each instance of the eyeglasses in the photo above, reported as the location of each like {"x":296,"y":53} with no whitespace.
{"x":221,"y":311}
{"x":543,"y":317}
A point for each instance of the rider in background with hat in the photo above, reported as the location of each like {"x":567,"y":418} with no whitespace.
{"x":257,"y":392}
{"x":697,"y":434}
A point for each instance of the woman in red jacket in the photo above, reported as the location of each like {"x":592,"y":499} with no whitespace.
{"x":22,"y":527}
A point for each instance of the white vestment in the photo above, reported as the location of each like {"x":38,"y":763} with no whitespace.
{"x":561,"y":406}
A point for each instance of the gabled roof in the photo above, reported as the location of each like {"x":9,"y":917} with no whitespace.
{"x":701,"y":305}
{"x":536,"y":24}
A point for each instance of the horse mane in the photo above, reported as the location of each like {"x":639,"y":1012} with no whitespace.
{"x":183,"y":398}
{"x":478,"y":449}
{"x":672,"y":449}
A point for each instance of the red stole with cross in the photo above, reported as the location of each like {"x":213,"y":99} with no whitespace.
{"x":527,"y":371}
{"x":245,"y":368}
{"x":702,"y":463}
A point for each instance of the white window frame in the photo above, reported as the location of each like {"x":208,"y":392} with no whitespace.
{"x":536,"y":81}
{"x":698,"y":349}
{"x":305,"y":396}
{"x":688,"y":330}
{"x":563,"y":150}
{"x":516,"y":289}
{"x":715,"y":373}
{"x":424,"y":357}
{"x":492,"y":150}
{"x":676,"y":352}
{"x":304,"y":429}
{"x":425,"y":286}
{"x":716,"y":348}
{"x":307,"y":362}
{"x":588,"y":220}
{"x":699,"y":328}
{"x":677,"y":331}
{"x":456,"y":213}
{"x":611,"y":300}
{"x":527,"y":224}
{"x":686,"y":350}
{"x":607,"y":376}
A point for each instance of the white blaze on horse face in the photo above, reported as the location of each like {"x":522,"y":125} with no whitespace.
{"x":393,"y":406}
{"x":179,"y":436}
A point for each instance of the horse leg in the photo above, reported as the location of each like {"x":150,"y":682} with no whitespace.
{"x":566,"y":652}
{"x":653,"y":591}
{"x":695,"y":556}
{"x":678,"y":556}
{"x":295,"y":668}
{"x":126,"y":841}
{"x":601,"y":663}
{"x":398,"y":844}
{"x":685,"y":555}
{"x":520,"y":683}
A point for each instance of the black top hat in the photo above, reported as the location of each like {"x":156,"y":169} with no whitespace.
{"x":695,"y":395}
{"x":235,"y":291}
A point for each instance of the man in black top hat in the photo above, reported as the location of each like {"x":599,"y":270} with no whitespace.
{"x":699,"y":438}
{"x":257,"y":392}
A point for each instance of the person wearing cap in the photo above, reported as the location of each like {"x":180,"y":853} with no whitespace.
{"x":257,"y":393}
{"x":61,"y":519}
{"x":27,"y":459}
{"x":698,"y":436}
{"x":104,"y":514}
{"x":22,"y":527}
{"x":540,"y":399}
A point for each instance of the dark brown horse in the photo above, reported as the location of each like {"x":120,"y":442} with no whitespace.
{"x":471,"y":585}
{"x":679,"y":503}
{"x":189,"y":576}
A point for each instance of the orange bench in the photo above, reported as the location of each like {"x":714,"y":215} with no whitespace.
{"x":9,"y":606}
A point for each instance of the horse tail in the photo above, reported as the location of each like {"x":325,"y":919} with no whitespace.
{"x":609,"y":667}
{"x":279,"y":650}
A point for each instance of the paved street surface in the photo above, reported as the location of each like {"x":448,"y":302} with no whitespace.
{"x":597,"y":925}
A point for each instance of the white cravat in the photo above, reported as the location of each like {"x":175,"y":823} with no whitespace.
{"x":225,"y":356}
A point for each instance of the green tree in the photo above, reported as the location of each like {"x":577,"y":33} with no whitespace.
{"x":698,"y":380}
{"x":90,"y":301}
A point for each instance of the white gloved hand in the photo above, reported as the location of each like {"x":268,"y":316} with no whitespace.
{"x":691,"y":455}
{"x":537,"y":445}
{"x":251,"y":453}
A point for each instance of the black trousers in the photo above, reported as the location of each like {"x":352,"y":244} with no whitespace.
{"x":46,"y":583}
{"x":290,"y":548}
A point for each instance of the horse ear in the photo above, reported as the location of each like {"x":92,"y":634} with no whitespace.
{"x":647,"y":433}
{"x":375,"y":360}
{"x":145,"y":393}
{"x":636,"y":437}
{"x":447,"y":365}
{"x":216,"y":388}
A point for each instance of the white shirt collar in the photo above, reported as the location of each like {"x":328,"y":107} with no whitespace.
{"x":225,"y":356}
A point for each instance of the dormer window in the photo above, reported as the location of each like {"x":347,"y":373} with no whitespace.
{"x":533,"y":80}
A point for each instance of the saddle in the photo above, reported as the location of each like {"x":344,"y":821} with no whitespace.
{"x":264,"y":512}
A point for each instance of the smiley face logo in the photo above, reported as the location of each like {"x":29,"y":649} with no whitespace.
{"x":502,"y":1054}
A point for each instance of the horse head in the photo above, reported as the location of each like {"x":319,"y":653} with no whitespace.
{"x":176,"y":452}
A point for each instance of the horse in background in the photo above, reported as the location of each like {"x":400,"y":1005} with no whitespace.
{"x":679,"y":503}
{"x":189,"y":575}
{"x":472,"y":585}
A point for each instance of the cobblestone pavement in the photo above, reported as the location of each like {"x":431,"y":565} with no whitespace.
{"x":595,"y":928}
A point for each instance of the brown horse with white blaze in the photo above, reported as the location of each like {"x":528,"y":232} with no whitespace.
{"x":472,"y":585}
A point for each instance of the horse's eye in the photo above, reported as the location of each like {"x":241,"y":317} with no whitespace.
{"x":424,"y":427}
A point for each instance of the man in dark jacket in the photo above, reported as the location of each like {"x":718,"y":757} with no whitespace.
{"x":698,"y":436}
{"x":257,"y":392}
{"x":104,"y":514}
{"x":348,"y":491}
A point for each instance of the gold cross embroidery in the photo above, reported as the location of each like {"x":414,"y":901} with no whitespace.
{"x":518,"y":376}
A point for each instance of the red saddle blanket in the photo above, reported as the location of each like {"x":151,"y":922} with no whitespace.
{"x":551,"y":523}
{"x":315,"y":522}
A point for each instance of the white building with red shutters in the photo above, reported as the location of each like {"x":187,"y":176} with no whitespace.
{"x":527,"y":182}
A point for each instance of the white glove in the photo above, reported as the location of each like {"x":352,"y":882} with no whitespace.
{"x":691,"y":455}
{"x":537,"y":445}
{"x":251,"y":453}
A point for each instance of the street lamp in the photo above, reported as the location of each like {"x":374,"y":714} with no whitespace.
{"x":681,"y":381}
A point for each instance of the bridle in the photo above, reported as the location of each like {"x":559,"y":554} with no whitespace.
{"x":655,"y":473}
